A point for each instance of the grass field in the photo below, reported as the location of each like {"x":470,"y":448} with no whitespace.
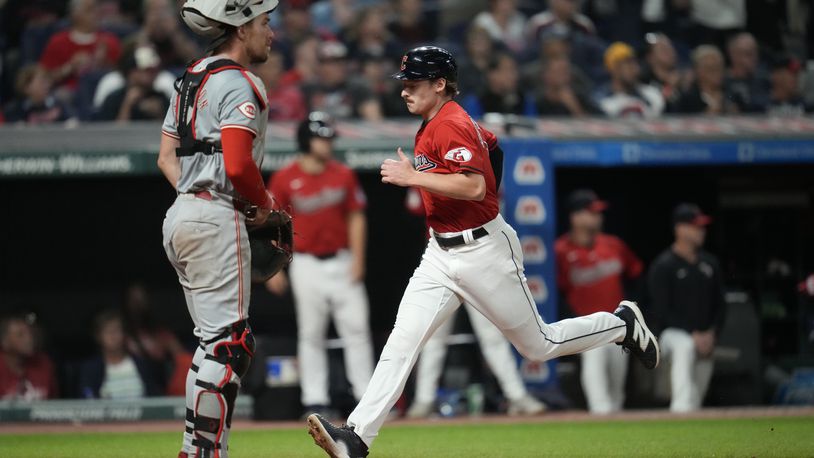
{"x":758,"y":437}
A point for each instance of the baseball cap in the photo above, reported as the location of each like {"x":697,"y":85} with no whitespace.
{"x":691,"y":214}
{"x":585,"y":199}
{"x":616,"y":53}
{"x":332,"y":50}
{"x":786,"y":62}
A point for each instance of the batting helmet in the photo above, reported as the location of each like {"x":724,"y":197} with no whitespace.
{"x":210,"y":17}
{"x":426,"y":63}
{"x":317,"y":124}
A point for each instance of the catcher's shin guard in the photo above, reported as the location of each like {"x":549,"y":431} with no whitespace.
{"x":226,"y":362}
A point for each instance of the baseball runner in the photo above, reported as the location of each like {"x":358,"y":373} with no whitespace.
{"x":211,"y":149}
{"x":327,"y":275}
{"x":472,"y":256}
{"x":591,"y":269}
{"x":493,"y":345}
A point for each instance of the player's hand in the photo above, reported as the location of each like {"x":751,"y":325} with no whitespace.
{"x":357,"y":271}
{"x":704,"y":342}
{"x":260,"y":217}
{"x":398,"y":172}
{"x":278,"y":284}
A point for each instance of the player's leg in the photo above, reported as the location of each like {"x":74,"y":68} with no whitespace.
{"x":428,"y":371}
{"x":701,"y":377}
{"x":595,"y":380}
{"x":680,"y":349}
{"x":313,"y":315}
{"x":499,"y":356}
{"x":351,"y":313}
{"x":493,"y":281}
{"x":617,"y":374}
{"x":426,"y":304}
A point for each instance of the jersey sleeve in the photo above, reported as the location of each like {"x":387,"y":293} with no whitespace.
{"x":489,"y":138}
{"x":238,"y":106}
{"x":170,"y":126}
{"x":461,"y":148}
{"x":355,"y":198}
{"x":632,"y":264}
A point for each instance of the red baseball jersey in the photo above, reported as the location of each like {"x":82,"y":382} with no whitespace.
{"x":591,"y":277}
{"x":319,"y":204}
{"x":451,"y":142}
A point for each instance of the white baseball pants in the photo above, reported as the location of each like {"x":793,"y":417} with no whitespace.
{"x":324,"y":289}
{"x":604,"y":371}
{"x":496,"y":351}
{"x":689,"y":373}
{"x":488,"y":274}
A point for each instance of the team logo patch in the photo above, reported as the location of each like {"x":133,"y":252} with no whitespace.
{"x":534,"y":251}
{"x":528,"y":170}
{"x":403,"y":63}
{"x":458,"y":155}
{"x":422,"y":164}
{"x":530,"y":210}
{"x":248,"y":109}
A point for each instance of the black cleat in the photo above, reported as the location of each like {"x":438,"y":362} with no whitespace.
{"x":337,"y":441}
{"x":639,"y":340}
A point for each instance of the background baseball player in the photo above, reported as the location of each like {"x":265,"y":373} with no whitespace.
{"x":211,"y":149}
{"x":591,"y":269}
{"x":495,"y":348}
{"x":472,"y":256}
{"x":327,"y":275}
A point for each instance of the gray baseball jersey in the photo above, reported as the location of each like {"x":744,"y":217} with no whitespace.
{"x":230,"y":98}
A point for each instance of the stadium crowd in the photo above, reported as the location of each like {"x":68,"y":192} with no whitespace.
{"x":105,"y":60}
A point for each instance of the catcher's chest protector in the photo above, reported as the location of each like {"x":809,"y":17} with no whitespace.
{"x":188,"y":87}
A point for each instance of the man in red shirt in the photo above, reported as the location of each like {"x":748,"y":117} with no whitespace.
{"x":328,"y":270}
{"x":81,"y":48}
{"x":25,"y":374}
{"x":472,"y":256}
{"x":591,"y":267}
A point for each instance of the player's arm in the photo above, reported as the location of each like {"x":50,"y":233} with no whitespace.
{"x":357,"y":242}
{"x":168,"y":162}
{"x":463,"y":186}
{"x":240,"y":167}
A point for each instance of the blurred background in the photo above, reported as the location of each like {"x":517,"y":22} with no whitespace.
{"x":649,"y":103}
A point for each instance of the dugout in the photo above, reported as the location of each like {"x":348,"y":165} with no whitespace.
{"x":83,"y":208}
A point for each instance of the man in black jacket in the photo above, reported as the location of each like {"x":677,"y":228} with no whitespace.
{"x":686,"y":297}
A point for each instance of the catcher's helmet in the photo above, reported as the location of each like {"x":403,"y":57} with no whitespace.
{"x":209,"y":17}
{"x":317,"y":124}
{"x":426,"y":63}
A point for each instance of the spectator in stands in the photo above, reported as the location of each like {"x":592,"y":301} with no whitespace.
{"x":671,"y":17}
{"x":411,"y":24}
{"x":376,"y":71}
{"x":472,"y":66}
{"x":554,"y":45}
{"x":505,"y":24}
{"x":662,"y":70}
{"x":333,"y":16}
{"x":26,"y":374}
{"x":785,"y":98}
{"x":716,"y":20}
{"x":561,"y":14}
{"x":747,"y":81}
{"x":306,"y":61}
{"x":138,"y":100}
{"x":591,"y":271}
{"x":685,"y":288}
{"x":115,"y":373}
{"x":164,"y":81}
{"x":558,"y":95}
{"x":79,"y":49}
{"x":161,"y":28}
{"x":35,"y":102}
{"x":285,"y":101}
{"x":709,"y":94}
{"x":369,"y":35}
{"x":628,"y":97}
{"x":502,"y":93}
{"x":563,"y":19}
{"x":295,"y":27}
{"x":28,"y":25}
{"x":334,"y":92}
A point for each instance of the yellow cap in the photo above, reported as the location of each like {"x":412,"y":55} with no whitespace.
{"x":616,"y":53}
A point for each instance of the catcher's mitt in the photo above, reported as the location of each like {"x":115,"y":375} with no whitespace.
{"x":272,"y":245}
